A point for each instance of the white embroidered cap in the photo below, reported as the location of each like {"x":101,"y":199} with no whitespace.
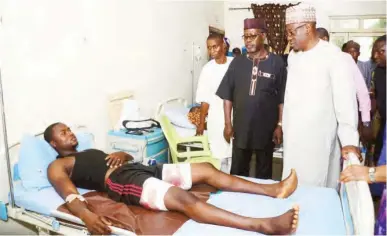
{"x":300,"y":13}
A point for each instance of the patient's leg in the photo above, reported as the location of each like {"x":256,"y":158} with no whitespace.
{"x":179,"y":200}
{"x":206,"y":173}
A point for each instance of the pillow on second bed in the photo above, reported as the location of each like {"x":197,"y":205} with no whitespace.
{"x":179,"y":117}
{"x":35,"y":155}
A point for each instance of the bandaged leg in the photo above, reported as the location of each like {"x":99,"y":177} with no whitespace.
{"x":153,"y":193}
{"x":178,"y":175}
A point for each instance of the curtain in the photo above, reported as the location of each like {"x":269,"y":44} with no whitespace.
{"x":274,"y":14}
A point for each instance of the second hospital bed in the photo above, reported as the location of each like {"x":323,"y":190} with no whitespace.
{"x":321,"y":211}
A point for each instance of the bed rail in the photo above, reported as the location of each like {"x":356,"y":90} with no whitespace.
{"x":5,"y":140}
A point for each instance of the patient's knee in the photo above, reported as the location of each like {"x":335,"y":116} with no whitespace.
{"x":178,"y":199}
{"x":187,"y":199}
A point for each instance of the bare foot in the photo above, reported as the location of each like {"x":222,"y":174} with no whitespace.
{"x":280,"y":225}
{"x":286,"y":187}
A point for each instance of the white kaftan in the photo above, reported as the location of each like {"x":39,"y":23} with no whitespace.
{"x":209,"y":80}
{"x":320,"y":109}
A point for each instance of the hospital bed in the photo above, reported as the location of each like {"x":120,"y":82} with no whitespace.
{"x":321,"y":211}
{"x":39,"y":207}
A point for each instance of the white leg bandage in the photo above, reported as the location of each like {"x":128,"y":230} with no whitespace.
{"x":178,"y":174}
{"x":153,"y":193}
{"x":154,"y":190}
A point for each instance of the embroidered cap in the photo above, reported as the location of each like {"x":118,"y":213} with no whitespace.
{"x":300,"y":14}
{"x":255,"y":23}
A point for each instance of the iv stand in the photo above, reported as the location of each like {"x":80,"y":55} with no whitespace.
{"x":193,"y":74}
{"x":5,"y":140}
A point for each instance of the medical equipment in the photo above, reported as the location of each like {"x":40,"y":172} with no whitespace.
{"x":115,"y":105}
{"x":143,"y":147}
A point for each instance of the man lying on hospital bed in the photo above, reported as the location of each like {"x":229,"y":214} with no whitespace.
{"x":160,"y":187}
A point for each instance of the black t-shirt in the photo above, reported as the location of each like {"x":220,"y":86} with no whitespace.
{"x":254,"y":116}
{"x":380,"y":90}
{"x":90,"y":169}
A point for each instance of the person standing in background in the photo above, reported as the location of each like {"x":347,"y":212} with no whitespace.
{"x":320,"y":106}
{"x":236,"y":52}
{"x":209,"y":80}
{"x":353,"y":48}
{"x":378,"y":89}
{"x":253,"y":90}
{"x":323,"y":34}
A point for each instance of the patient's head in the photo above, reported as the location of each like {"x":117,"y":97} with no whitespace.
{"x":60,"y":137}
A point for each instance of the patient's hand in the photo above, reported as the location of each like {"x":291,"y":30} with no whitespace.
{"x":95,"y":224}
{"x":116,"y":159}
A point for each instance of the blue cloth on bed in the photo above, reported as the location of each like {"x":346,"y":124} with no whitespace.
{"x":320,"y":211}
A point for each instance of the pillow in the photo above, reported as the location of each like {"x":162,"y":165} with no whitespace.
{"x":34,"y":157}
{"x":179,"y":117}
{"x":36,"y":154}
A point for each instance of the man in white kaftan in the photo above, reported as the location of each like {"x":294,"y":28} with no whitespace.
{"x":320,"y":107}
{"x":209,"y":80}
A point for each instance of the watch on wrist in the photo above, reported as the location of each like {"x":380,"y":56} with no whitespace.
{"x":371,"y":174}
{"x":279,"y":124}
{"x":367,"y":124}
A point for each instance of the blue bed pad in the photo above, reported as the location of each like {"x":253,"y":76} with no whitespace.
{"x":42,"y":201}
{"x":320,"y":211}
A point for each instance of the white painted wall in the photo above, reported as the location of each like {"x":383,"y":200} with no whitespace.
{"x":233,"y":20}
{"x":61,"y":59}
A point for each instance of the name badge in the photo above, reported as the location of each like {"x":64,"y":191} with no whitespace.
{"x":266,"y":75}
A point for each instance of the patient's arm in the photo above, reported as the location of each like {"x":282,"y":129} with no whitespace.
{"x":58,"y":174}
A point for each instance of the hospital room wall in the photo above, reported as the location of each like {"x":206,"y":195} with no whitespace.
{"x":61,"y":59}
{"x":233,"y":20}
